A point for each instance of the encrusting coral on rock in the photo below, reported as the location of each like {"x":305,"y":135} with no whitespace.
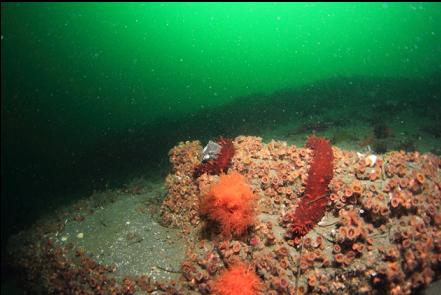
{"x":372,"y":224}
{"x":375,"y":227}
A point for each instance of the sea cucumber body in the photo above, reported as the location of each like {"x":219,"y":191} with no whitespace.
{"x":313,"y":204}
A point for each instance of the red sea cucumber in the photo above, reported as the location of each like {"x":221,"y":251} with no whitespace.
{"x":313,"y":204}
{"x":223,"y":161}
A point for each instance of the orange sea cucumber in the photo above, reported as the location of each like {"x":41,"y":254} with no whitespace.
{"x":240,"y":279}
{"x":231,"y":203}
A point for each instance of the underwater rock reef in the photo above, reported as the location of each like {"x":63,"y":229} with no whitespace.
{"x":380,"y":231}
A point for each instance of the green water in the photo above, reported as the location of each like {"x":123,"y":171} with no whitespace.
{"x":115,"y":64}
{"x":95,"y":93}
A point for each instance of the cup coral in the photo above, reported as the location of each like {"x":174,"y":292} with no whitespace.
{"x":231,"y":203}
{"x":240,"y":279}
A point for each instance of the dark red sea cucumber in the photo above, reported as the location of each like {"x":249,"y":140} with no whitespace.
{"x":313,"y":203}
{"x":223,"y":161}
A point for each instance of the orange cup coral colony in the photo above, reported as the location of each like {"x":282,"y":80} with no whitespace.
{"x":231,"y":203}
{"x":240,"y":279}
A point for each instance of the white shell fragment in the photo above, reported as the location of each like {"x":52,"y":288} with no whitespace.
{"x":371,"y":160}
